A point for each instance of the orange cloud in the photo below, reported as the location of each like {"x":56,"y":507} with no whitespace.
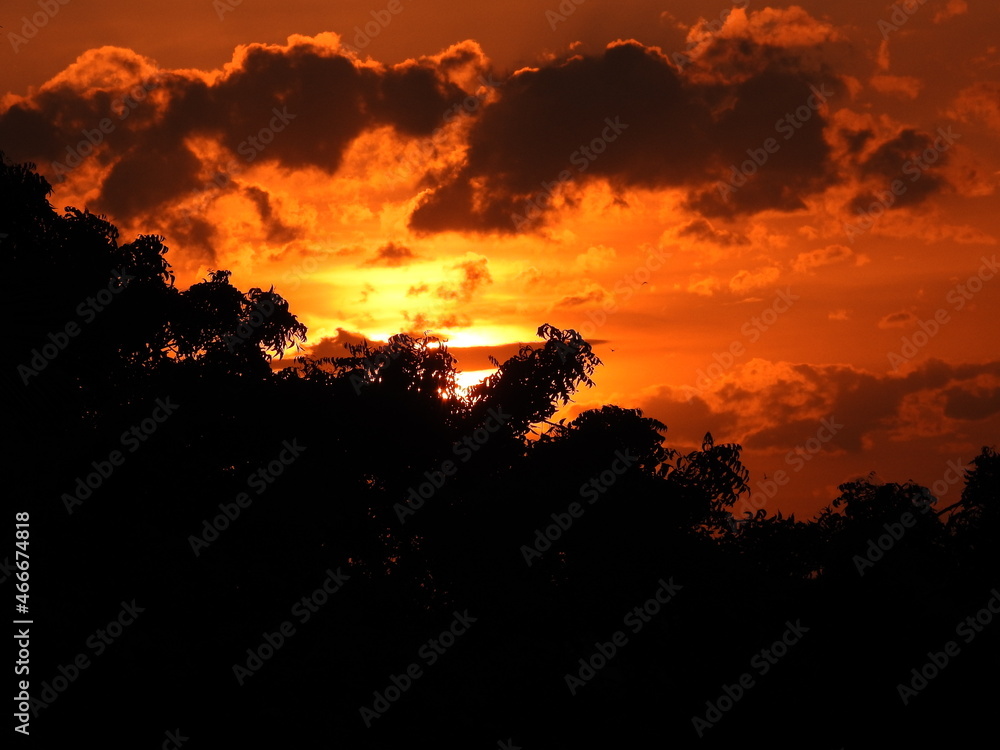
{"x":906,"y":86}
{"x":808,"y":261}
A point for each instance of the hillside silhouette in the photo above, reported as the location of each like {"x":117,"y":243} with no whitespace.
{"x":167,"y":461}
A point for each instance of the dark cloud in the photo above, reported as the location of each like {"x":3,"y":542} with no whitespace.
{"x":297,"y":106}
{"x":147,"y":177}
{"x":474,"y":275}
{"x":277,"y":231}
{"x":421,"y":324}
{"x":861,"y":402}
{"x":336,"y":346}
{"x":703,"y":230}
{"x":825,"y":256}
{"x":900,"y":319}
{"x":391,"y":255}
{"x":196,"y":235}
{"x":628,"y":115}
{"x":798,"y":431}
{"x":593,"y":297}
{"x":971,"y":404}
{"x":856,"y":139}
{"x":687,"y":421}
{"x":668,"y":131}
{"x":901,"y":158}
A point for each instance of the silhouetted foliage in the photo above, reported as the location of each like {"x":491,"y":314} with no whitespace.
{"x":432,"y":501}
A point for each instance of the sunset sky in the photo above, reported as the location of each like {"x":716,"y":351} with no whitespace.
{"x":775,"y":222}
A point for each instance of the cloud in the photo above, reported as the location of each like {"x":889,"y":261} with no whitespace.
{"x":952,"y":9}
{"x":856,"y":139}
{"x":772,"y":405}
{"x":335,"y":346}
{"x":808,"y":261}
{"x":391,"y":255}
{"x":906,"y":86}
{"x":706,"y":286}
{"x":702,"y":229}
{"x":595,"y":296}
{"x":595,"y":258}
{"x":422,"y":324}
{"x":475,"y":274}
{"x":972,"y":404}
{"x":901,"y":319}
{"x":746,"y":281}
{"x":297,"y":105}
{"x":276,"y":231}
{"x":782,"y":27}
{"x":902,"y":158}
{"x":628,"y":116}
{"x":979,"y":102}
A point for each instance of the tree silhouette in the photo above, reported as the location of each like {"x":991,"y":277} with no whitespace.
{"x":434,"y":502}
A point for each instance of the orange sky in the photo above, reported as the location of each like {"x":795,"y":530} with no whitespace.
{"x":681,"y":182}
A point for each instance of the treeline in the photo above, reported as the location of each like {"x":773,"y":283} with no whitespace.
{"x":354,"y":553}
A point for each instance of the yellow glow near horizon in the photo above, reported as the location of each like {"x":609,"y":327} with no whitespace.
{"x":466,"y":380}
